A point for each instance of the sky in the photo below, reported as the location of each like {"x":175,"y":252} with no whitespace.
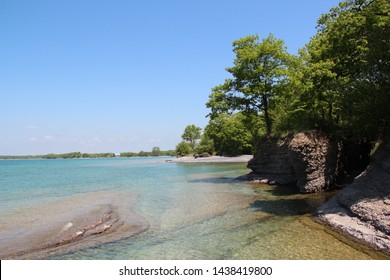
{"x":122,"y":75}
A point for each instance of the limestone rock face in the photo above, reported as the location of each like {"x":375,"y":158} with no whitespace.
{"x":362,"y":209}
{"x":307,"y":159}
{"x":271,"y":162}
{"x":315,"y":161}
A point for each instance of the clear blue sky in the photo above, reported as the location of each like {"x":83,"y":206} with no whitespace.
{"x":117,"y":75}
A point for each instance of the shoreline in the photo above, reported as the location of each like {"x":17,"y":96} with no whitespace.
{"x":58,"y":228}
{"x":212,"y":159}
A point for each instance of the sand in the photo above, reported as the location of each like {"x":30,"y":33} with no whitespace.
{"x":212,"y":159}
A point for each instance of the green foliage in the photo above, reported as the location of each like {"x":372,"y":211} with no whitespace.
{"x":169,"y":153}
{"x":183,"y":149}
{"x":99,"y":155}
{"x":78,"y":155}
{"x":73,"y":155}
{"x":128,"y":154}
{"x":206,"y":146}
{"x":20,"y":157}
{"x":220,"y":102}
{"x":192,"y":134}
{"x":229,"y":134}
{"x":349,"y":68}
{"x":144,"y":154}
{"x":156,"y":151}
{"x":260,"y":72}
{"x":339,"y":84}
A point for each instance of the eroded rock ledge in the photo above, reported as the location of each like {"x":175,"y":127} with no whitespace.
{"x":309,"y":160}
{"x":313,"y":162}
{"x":362,"y":209}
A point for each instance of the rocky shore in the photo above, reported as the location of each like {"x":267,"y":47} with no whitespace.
{"x":362,"y":209}
{"x":313,"y":162}
{"x":308,"y":160}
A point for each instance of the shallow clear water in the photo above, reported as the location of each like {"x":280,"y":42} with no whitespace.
{"x":192,"y":211}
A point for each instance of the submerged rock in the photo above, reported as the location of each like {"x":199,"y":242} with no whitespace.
{"x":101,"y":222}
{"x":69,"y":224}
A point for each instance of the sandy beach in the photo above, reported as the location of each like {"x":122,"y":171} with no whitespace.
{"x":212,"y":159}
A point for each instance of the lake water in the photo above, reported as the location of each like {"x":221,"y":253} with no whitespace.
{"x":167,"y":211}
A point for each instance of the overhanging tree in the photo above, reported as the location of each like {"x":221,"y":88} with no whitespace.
{"x":349,"y":67}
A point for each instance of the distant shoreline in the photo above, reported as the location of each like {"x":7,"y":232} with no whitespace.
{"x":86,"y":156}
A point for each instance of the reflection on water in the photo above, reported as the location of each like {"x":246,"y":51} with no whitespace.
{"x":200,"y":212}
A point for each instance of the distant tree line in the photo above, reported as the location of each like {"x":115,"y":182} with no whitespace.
{"x":20,"y":157}
{"x":154,"y":153}
{"x":78,"y":155}
{"x":62,"y":156}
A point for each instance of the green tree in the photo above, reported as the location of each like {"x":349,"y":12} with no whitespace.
{"x":290,"y":112}
{"x":229,"y":134}
{"x":340,"y":82}
{"x":348,"y":62}
{"x":144,"y":154}
{"x":183,"y":149}
{"x":206,"y":146}
{"x":156,"y":151}
{"x":259,"y":73}
{"x":192,"y":134}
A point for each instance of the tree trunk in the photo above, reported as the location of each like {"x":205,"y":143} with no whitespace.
{"x":266,"y":116}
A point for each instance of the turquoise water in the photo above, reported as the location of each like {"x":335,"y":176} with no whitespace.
{"x":187,"y":211}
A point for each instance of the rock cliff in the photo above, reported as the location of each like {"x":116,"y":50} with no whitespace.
{"x":310,"y":160}
{"x":313,"y":162}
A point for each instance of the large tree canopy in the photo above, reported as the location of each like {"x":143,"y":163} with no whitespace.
{"x":259,"y":73}
{"x":349,"y":67}
{"x":339,"y":83}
